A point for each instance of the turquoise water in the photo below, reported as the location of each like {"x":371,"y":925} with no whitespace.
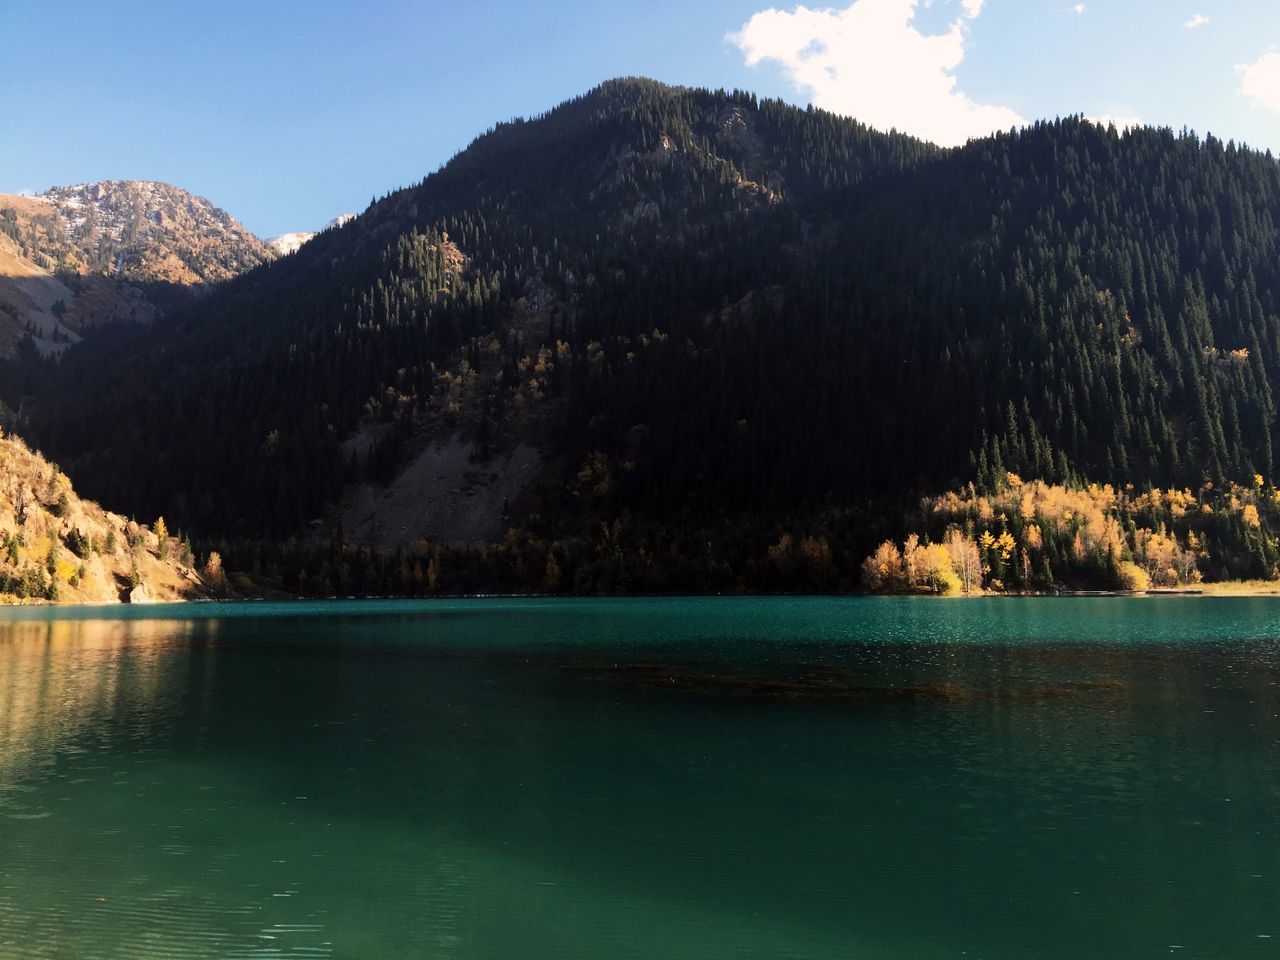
{"x":808,"y":778}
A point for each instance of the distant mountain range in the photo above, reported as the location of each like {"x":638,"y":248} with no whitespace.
{"x":669,"y":338}
{"x":145,"y":231}
{"x":114,"y":251}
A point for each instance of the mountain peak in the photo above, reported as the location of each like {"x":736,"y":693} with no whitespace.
{"x":85,"y":255}
{"x":148,"y":230}
{"x":287,"y":243}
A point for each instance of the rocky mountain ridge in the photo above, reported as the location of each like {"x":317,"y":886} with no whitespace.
{"x":148,"y":231}
{"x":116,"y":251}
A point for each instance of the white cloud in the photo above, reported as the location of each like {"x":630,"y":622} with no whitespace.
{"x":868,"y":61}
{"x":1120,"y":122}
{"x":1199,"y":20}
{"x":1079,"y":9}
{"x":1260,"y":80}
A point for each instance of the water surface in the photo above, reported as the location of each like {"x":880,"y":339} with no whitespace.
{"x":851,"y":778}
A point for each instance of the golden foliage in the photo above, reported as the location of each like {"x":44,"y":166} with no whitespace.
{"x":934,"y":570}
{"x":966,"y":561}
{"x":1035,"y":534}
{"x":882,"y":571}
{"x":1165,"y":561}
{"x":213,"y":568}
{"x":924,"y":568}
{"x":1033,"y":537}
{"x":1133,"y":577}
{"x":1088,"y":513}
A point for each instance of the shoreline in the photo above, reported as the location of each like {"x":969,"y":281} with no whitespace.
{"x":1226,"y":588}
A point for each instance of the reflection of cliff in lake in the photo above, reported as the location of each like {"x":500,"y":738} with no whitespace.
{"x":67,"y":684}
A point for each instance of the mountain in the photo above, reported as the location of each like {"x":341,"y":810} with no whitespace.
{"x":147,"y":231}
{"x":684,"y":338}
{"x":287,"y":243}
{"x":55,"y":546}
{"x":110,"y":252}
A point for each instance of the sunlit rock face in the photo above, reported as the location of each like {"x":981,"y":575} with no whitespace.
{"x":55,"y":546}
{"x":107,"y":253}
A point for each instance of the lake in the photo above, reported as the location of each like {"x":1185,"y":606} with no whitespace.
{"x":692,"y":778}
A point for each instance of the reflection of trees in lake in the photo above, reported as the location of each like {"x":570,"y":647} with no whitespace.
{"x":61,"y":680}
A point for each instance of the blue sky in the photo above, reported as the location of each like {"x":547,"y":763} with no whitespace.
{"x":289,"y":113}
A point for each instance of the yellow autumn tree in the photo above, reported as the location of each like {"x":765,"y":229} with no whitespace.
{"x":882,"y":572}
{"x":1133,"y":577}
{"x":965,"y":559}
{"x":161,"y":530}
{"x":214,"y":575}
{"x":936,"y":572}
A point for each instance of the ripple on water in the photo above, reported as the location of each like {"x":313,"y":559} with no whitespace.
{"x":693,"y":779}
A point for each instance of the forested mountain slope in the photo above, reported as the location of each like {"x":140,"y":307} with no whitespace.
{"x":712,"y":313}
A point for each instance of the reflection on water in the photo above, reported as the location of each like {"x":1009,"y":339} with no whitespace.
{"x":695,"y":779}
{"x":62,"y":682}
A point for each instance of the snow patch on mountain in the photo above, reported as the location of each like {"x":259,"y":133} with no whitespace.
{"x":147,"y":230}
{"x":288,"y":243}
